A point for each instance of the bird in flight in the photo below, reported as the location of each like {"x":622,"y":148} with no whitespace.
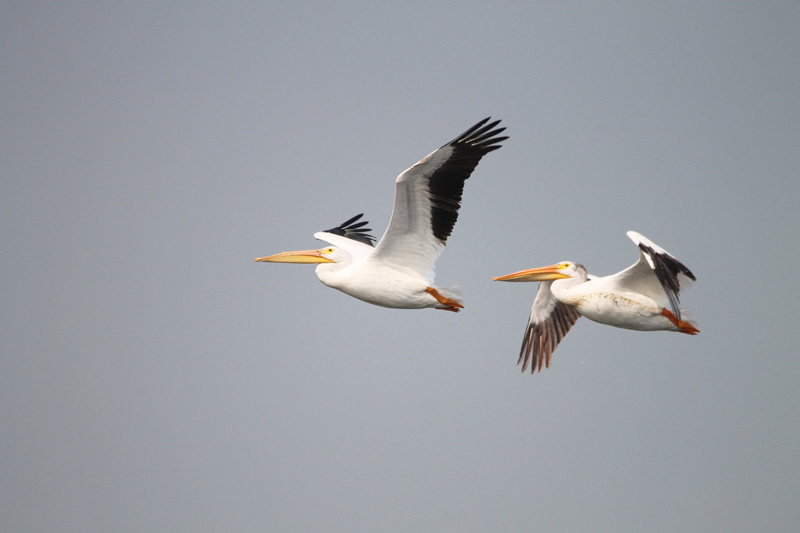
{"x":398,"y":272}
{"x":644,"y":296}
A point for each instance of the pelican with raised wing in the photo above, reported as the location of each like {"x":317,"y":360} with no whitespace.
{"x":399,"y":271}
{"x":644,"y":296}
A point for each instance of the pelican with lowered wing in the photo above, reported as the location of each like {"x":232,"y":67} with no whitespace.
{"x":644,"y":296}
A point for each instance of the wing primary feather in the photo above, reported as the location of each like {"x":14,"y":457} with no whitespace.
{"x":357,"y":232}
{"x":479,"y":134}
{"x":527,"y":347}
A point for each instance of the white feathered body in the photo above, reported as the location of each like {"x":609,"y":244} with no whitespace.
{"x":380,"y":284}
{"x":604,"y":301}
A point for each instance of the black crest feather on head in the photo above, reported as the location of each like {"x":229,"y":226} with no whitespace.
{"x":355,"y":231}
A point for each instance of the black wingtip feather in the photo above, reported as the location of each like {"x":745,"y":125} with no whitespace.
{"x":666,"y":270}
{"x":357,"y":232}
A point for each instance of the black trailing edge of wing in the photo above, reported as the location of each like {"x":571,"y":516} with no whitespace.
{"x":446,"y":184}
{"x":357,"y":232}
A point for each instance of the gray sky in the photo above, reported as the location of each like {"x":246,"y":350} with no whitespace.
{"x":154,"y":378}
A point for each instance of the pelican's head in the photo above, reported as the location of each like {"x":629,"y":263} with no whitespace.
{"x":563,"y":270}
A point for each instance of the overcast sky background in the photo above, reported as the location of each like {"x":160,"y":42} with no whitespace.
{"x":154,"y":378}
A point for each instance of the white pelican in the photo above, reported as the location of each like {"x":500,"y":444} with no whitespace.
{"x":636,"y":298}
{"x":399,"y":271}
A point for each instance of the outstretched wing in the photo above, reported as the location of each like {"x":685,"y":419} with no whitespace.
{"x":549,"y":322}
{"x":427,"y":199}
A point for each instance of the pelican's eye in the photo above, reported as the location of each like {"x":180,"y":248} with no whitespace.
{"x":562,"y":266}
{"x":327,"y":251}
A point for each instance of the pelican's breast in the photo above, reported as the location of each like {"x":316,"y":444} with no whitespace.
{"x":627,"y":310}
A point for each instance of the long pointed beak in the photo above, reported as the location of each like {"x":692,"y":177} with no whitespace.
{"x":300,"y":256}
{"x":545,"y":273}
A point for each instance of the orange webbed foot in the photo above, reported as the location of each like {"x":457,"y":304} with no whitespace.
{"x":451,"y":305}
{"x":683,"y":327}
